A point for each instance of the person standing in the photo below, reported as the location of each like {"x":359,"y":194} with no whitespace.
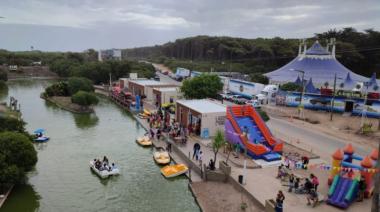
{"x":200,"y":156}
{"x":362,"y":188}
{"x":195,"y":149}
{"x":279,"y":201}
{"x":314,"y":181}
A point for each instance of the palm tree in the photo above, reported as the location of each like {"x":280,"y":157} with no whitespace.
{"x":218,"y":143}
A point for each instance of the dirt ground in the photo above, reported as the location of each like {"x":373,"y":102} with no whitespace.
{"x":31,"y":71}
{"x":219,"y":197}
{"x":65,"y":103}
{"x":345,"y":128}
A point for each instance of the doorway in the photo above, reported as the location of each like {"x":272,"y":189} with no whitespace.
{"x":349,"y":106}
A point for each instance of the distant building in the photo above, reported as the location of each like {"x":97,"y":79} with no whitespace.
{"x":109,"y":54}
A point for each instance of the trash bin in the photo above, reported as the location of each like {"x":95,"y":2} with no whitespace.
{"x":241,"y":179}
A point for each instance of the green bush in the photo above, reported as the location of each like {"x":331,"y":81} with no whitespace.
{"x":12,"y":124}
{"x":290,"y":86}
{"x":76,"y":84}
{"x":57,"y":89}
{"x":17,"y":156}
{"x":263,"y":115}
{"x":84,"y":98}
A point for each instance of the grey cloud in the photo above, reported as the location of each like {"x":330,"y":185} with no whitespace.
{"x":81,"y":24}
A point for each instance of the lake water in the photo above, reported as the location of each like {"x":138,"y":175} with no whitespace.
{"x":62,"y":180}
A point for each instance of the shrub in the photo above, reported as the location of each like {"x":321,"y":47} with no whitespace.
{"x":57,"y":89}
{"x":290,"y":86}
{"x":76,"y":84}
{"x":84,"y":98}
{"x":263,"y":115}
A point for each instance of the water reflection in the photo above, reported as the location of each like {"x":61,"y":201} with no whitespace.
{"x":26,"y":200}
{"x":3,"y":91}
{"x":85,"y":121}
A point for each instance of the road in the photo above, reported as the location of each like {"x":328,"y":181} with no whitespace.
{"x":322,"y":144}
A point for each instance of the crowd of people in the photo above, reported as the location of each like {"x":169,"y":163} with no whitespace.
{"x":103,"y":165}
{"x":160,"y":122}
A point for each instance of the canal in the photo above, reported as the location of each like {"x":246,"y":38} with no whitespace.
{"x":62,"y":180}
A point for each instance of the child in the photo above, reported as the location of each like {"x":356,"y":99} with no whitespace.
{"x":200,"y":155}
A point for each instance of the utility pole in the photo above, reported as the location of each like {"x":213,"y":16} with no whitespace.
{"x":364,"y":110}
{"x":302,"y":89}
{"x":376,"y":191}
{"x":333,"y":98}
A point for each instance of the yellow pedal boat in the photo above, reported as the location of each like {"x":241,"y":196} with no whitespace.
{"x":174,"y":170}
{"x":161,"y":156}
{"x":144,"y":141}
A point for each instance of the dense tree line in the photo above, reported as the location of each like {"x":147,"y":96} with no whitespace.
{"x":359,"y":51}
{"x":78,"y":64}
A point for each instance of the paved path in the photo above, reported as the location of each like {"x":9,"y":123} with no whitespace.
{"x":323,"y":144}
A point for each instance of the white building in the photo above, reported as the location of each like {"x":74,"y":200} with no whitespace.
{"x":205,"y":116}
{"x":109,"y":54}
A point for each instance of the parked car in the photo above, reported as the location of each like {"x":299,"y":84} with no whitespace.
{"x":254,"y":102}
{"x":157,"y":78}
{"x":233,"y":98}
{"x":225,"y":95}
{"x":240,"y":101}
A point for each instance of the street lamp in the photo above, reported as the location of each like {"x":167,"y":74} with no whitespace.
{"x":333,"y":98}
{"x":364,"y":110}
{"x":303,"y":76}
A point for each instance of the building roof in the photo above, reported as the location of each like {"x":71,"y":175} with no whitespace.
{"x":203,"y":106}
{"x":166,"y":89}
{"x":316,"y":63}
{"x":149,"y":82}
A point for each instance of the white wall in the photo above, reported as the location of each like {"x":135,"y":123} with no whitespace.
{"x":213,"y":121}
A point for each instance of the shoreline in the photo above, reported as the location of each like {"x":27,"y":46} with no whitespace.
{"x":67,"y":107}
{"x":6,"y":195}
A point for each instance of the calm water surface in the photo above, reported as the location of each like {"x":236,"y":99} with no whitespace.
{"x":62,"y":180}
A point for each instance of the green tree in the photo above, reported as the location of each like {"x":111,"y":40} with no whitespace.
{"x":57,"y":89}
{"x":17,"y":156}
{"x":76,"y":84}
{"x":290,"y":86}
{"x":84,"y":98}
{"x":218,"y":143}
{"x":259,"y":78}
{"x":203,"y":86}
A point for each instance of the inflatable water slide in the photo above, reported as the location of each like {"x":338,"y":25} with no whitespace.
{"x":260,"y":143}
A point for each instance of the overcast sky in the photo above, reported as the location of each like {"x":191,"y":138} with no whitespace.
{"x":76,"y":25}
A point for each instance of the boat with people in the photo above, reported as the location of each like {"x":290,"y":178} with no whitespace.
{"x":175,"y":170}
{"x":144,"y":141}
{"x":103,"y":168}
{"x":161,"y":156}
{"x":39,"y":135}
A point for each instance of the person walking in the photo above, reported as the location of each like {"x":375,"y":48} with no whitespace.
{"x":200,"y":156}
{"x":195,"y":149}
{"x":280,"y":202}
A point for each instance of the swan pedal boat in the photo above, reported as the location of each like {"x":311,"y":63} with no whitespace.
{"x":170,"y":171}
{"x":144,"y":141}
{"x":161,"y":156}
{"x":104,"y":173}
{"x":41,"y":139}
